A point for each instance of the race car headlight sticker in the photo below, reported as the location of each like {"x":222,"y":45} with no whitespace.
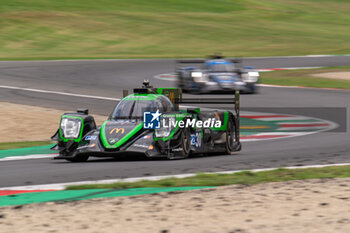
{"x":167,"y":125}
{"x":199,"y":77}
{"x":70,"y":127}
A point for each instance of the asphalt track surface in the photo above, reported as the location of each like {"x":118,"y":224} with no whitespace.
{"x":108,"y":78}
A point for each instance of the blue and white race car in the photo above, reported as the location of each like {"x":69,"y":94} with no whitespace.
{"x":216,"y":74}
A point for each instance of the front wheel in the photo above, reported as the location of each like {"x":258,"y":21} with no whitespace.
{"x":78,"y":158}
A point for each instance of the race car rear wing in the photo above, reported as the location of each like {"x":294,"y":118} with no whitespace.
{"x":201,"y":61}
{"x":179,"y":64}
{"x":189,"y":61}
{"x":235,"y":101}
{"x":175,"y":95}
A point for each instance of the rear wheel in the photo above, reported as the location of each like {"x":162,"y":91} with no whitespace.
{"x":230,"y":136}
{"x":185,"y":142}
{"x":181,"y":83}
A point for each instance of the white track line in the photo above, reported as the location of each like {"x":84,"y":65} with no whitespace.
{"x":281,"y":118}
{"x":302,"y":56}
{"x":301,"y":128}
{"x":314,"y":88}
{"x":170,"y":59}
{"x":25,"y":157}
{"x":60,"y":186}
{"x":59,"y":93}
{"x":290,"y":68}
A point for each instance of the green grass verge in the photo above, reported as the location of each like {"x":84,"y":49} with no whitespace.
{"x":245,"y":177}
{"x":51,"y":29}
{"x":305,"y":78}
{"x":16,"y":145}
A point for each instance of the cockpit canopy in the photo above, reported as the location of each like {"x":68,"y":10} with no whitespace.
{"x":220,"y":66}
{"x":133,"y":107}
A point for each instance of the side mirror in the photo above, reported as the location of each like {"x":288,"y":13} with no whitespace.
{"x":125,"y":93}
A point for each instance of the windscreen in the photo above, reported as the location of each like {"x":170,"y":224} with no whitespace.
{"x":221,"y":67}
{"x":134,"y":109}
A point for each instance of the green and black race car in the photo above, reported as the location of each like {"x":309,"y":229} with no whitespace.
{"x":149,"y":122}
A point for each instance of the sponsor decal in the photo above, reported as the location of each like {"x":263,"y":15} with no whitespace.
{"x":147,"y":137}
{"x":88,"y":138}
{"x":151,"y":120}
{"x":117,"y":130}
{"x":113,"y":140}
{"x":141,"y":145}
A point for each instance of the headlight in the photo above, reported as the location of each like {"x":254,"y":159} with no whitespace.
{"x":199,"y":77}
{"x":70,"y":127}
{"x":251,"y":77}
{"x":167,"y":125}
{"x":254,"y":74}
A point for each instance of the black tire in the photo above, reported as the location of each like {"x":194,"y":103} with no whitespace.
{"x":230,"y":136}
{"x":252,"y":88}
{"x":180,"y":81}
{"x":78,"y":158}
{"x":184,"y":87}
{"x":185,"y":143}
